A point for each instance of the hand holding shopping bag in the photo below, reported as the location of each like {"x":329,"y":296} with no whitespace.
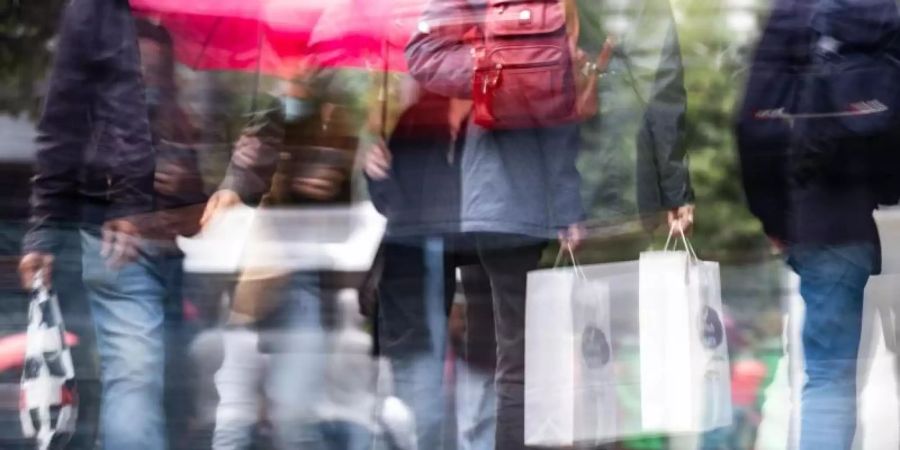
{"x":685,"y":378}
{"x":48,"y":406}
{"x":570,"y":392}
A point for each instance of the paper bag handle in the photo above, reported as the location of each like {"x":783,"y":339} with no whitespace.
{"x":37,"y":283}
{"x":567,"y":249}
{"x":687,"y":243}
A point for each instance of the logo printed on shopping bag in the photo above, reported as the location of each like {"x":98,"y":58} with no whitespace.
{"x":595,"y":347}
{"x":712,"y":332}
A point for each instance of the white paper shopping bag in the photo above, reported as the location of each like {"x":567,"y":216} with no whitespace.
{"x":569,"y":382}
{"x":685,"y":376}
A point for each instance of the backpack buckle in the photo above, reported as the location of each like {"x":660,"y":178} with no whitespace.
{"x":525,"y":17}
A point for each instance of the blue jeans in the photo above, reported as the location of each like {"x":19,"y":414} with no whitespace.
{"x":344,"y":436}
{"x":832,"y":282}
{"x":414,"y":296}
{"x":476,"y":407}
{"x":299,"y":352}
{"x":476,"y":397}
{"x":127,"y":305}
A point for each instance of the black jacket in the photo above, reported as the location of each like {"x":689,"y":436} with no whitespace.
{"x":95,"y":160}
{"x":634,"y":152}
{"x":804,"y":191}
{"x":423,"y":193}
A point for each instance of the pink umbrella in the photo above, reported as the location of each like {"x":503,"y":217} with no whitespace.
{"x":250,"y":35}
{"x":365,"y":33}
{"x":275,"y":36}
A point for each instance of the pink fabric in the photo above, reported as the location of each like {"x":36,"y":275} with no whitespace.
{"x":268,"y":35}
{"x":357,"y":33}
{"x":277,"y":36}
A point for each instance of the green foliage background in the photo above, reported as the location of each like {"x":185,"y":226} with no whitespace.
{"x":715,"y":58}
{"x":26,"y":30}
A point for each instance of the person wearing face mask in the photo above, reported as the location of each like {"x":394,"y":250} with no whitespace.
{"x":296,"y":109}
{"x":298,"y":150}
{"x":295,"y":154}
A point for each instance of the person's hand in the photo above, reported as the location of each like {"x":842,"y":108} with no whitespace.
{"x":31,"y":264}
{"x":378,"y":162}
{"x":246,"y":151}
{"x":778,"y":244}
{"x":572,"y":237}
{"x":218,"y":202}
{"x":682,"y":217}
{"x":318,"y":183}
{"x":171,"y":179}
{"x":120,"y":242}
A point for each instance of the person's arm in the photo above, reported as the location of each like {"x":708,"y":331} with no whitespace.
{"x":658,"y":75}
{"x":63,"y":131}
{"x":95,"y":97}
{"x":438,"y":55}
{"x":764,"y":146}
{"x":763,"y":169}
{"x":119,"y":103}
{"x":255,"y":156}
{"x":253,"y":163}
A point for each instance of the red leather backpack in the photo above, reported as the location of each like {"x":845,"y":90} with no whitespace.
{"x":526,"y":75}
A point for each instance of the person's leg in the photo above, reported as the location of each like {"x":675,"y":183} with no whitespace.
{"x":238,"y":382}
{"x":476,"y":400}
{"x":507,"y":267}
{"x":357,"y":437}
{"x":298,"y":349}
{"x":339,"y":435}
{"x":413,"y":298}
{"x":180,"y":377}
{"x":206,"y":351}
{"x":832,"y":282}
{"x":127,"y":307}
{"x":76,"y":312}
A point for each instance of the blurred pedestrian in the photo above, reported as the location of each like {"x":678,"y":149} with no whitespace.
{"x":813,"y":181}
{"x":297,"y":152}
{"x":179,"y":201}
{"x":95,"y":170}
{"x":519,"y":189}
{"x":633,"y":153}
{"x":414,"y":180}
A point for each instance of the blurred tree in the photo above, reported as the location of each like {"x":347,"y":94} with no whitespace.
{"x":714,"y":37}
{"x":26,"y":30}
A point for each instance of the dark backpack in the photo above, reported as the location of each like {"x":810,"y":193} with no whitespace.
{"x":525,"y":73}
{"x":812,"y":96}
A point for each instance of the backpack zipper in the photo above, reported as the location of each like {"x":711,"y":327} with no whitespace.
{"x":524,"y":65}
{"x":490,"y":81}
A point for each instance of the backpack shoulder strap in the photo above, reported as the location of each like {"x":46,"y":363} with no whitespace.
{"x":573,"y":27}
